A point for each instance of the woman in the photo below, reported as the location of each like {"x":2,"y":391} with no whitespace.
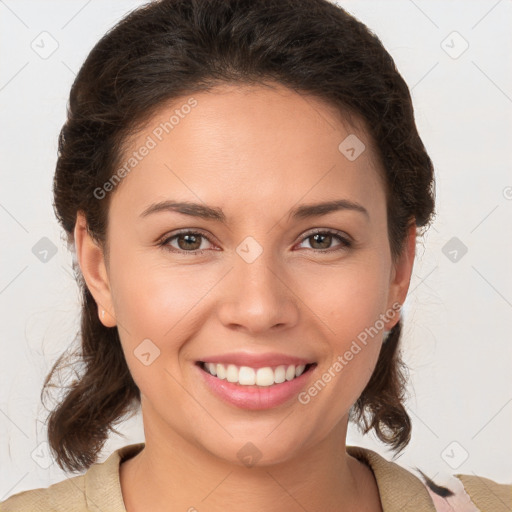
{"x":243,"y":184}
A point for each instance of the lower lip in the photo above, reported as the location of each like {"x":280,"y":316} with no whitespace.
{"x":255,"y":397}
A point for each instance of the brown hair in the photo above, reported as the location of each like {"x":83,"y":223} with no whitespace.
{"x":171,"y":48}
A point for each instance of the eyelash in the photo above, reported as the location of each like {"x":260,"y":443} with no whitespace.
{"x":164,"y":243}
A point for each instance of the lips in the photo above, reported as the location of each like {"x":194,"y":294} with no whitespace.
{"x":270,"y":389}
{"x":255,"y":381}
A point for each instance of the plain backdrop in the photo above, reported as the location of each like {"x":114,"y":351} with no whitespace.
{"x":455,"y":57}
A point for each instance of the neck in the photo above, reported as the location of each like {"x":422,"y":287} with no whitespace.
{"x":173,"y":471}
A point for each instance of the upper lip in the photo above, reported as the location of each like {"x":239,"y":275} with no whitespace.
{"x":256,"y":360}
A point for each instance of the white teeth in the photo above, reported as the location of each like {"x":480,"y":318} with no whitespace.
{"x":221,"y":371}
{"x":246,"y":376}
{"x":265,"y":376}
{"x":280,"y":374}
{"x":232,"y":373}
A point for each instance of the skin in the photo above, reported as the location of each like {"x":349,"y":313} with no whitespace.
{"x":256,"y":152}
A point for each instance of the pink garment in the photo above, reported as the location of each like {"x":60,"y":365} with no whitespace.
{"x":459,"y":502}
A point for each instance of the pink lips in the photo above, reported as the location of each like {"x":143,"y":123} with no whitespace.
{"x":256,"y":397}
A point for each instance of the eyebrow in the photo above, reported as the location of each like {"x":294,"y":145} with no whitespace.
{"x":214,"y":213}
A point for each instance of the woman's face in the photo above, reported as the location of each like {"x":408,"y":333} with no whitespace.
{"x":263,"y":283}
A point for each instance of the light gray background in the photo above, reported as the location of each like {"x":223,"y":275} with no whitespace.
{"x":457,"y":339}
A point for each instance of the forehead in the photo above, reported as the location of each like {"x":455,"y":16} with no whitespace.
{"x":249,"y":146}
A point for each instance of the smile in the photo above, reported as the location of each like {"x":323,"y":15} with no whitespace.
{"x":247,"y":376}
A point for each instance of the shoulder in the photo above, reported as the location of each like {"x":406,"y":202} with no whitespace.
{"x":399,"y":487}
{"x":487,"y":494}
{"x":98,"y":490}
{"x":61,"y":496}
{"x":470,"y":493}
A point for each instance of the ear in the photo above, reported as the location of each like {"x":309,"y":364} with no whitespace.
{"x":91,"y":259}
{"x":401,"y":274}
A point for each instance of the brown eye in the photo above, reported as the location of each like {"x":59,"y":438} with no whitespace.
{"x":322,"y":240}
{"x":192,"y":242}
{"x":187,"y":241}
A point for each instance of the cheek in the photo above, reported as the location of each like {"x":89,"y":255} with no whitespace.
{"x":152,"y":296}
{"x":347,"y":304}
{"x":157,"y":303}
{"x":349,"y":298}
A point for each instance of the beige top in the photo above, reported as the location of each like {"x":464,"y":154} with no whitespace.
{"x":99,"y":489}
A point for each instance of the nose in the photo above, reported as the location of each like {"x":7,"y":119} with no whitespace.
{"x":258,"y":297}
